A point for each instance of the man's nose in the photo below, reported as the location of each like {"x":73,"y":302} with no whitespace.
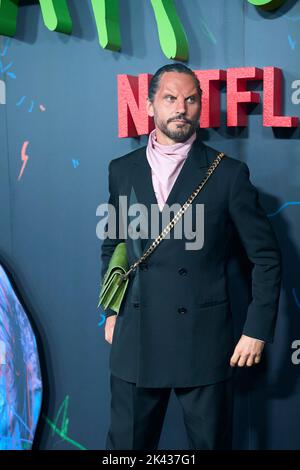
{"x":180,"y":106}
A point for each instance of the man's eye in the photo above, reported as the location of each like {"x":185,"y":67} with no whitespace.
{"x":191,"y":99}
{"x":170,"y":97}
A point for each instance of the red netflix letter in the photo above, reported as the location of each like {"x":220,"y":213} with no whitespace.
{"x":237,"y":96}
{"x":272,"y":100}
{"x":133,"y":119}
{"x":211,"y":102}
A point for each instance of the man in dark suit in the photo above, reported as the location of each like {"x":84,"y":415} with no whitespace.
{"x":174,"y":329}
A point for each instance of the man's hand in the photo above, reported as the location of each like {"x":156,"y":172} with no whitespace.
{"x":109,"y":328}
{"x":247,"y":352}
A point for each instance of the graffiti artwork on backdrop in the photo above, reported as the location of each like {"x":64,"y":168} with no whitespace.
{"x":20,"y":375}
{"x":5,"y":69}
{"x":56,"y":17}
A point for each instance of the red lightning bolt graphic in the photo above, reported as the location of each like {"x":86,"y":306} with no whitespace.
{"x":24,"y":157}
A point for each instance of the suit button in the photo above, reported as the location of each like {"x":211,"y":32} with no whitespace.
{"x":182,"y":271}
{"x":136,"y":304}
{"x":182,"y":310}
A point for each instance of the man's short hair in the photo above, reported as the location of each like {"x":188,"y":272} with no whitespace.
{"x":177,"y":67}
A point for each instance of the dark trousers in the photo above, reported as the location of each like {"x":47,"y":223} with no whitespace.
{"x":137,"y":415}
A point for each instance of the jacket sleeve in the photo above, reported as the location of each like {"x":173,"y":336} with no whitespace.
{"x":259,"y":240}
{"x":110,"y":242}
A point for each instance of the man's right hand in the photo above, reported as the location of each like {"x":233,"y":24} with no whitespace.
{"x":109,"y":328}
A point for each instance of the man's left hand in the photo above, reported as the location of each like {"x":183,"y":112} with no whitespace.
{"x":247,"y":352}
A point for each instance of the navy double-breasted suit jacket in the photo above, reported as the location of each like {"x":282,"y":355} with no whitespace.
{"x":175,"y":325}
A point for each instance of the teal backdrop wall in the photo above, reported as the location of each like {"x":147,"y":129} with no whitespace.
{"x":61,"y":111}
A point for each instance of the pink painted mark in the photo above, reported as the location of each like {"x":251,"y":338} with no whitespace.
{"x":42,"y":108}
{"x":24,"y":158}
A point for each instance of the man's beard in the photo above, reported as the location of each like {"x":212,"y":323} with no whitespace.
{"x":179,"y":134}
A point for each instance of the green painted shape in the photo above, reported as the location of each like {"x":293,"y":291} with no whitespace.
{"x":63,"y":436}
{"x":172,"y":37}
{"x":64,"y":422}
{"x":106,"y":13}
{"x":267,"y":4}
{"x":63,"y":431}
{"x":56,"y":15}
{"x":8,"y":17}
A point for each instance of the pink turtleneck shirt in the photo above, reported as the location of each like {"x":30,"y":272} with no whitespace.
{"x":166,"y":162}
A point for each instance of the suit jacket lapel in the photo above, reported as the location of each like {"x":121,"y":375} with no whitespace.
{"x":190,"y":176}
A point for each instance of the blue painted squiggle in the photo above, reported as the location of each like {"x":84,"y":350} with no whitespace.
{"x":286,"y":204}
{"x":6,"y":46}
{"x":102,"y":321}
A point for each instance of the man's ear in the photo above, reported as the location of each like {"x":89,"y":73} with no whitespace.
{"x":149,"y":107}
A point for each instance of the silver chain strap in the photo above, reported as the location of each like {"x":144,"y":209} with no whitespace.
{"x":175,"y":219}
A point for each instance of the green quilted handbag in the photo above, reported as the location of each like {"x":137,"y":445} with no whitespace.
{"x":115,"y":280}
{"x":113,"y":285}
